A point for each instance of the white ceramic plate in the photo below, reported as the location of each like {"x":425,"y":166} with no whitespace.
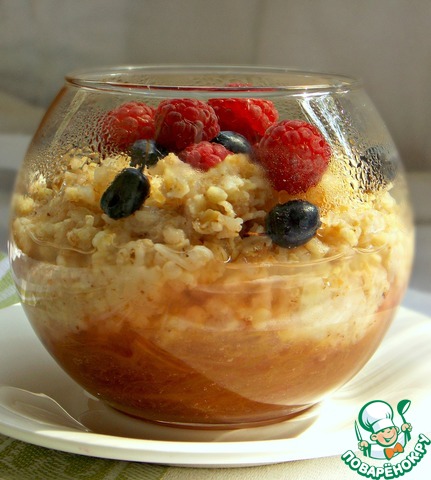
{"x":400,"y":369}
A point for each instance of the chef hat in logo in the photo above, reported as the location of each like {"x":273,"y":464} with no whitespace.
{"x":376,"y":415}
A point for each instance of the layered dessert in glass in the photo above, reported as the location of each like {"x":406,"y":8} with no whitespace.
{"x":211,"y":247}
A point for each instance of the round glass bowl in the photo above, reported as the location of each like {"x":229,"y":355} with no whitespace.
{"x":211,"y":247}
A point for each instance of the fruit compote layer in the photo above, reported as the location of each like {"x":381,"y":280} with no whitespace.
{"x":186,"y":312}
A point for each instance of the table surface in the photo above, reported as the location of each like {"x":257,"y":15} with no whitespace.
{"x":15,"y":465}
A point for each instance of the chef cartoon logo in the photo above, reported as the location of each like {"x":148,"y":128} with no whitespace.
{"x":385,"y":437}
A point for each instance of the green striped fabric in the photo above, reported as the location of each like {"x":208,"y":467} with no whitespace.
{"x":8,"y":295}
{"x":22,"y":461}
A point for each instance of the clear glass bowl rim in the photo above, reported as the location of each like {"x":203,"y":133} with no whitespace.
{"x":144,"y":78}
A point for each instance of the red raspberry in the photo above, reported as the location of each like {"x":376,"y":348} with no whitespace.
{"x":127,"y":123}
{"x":204,"y":155}
{"x":248,"y":116}
{"x":182,"y":122}
{"x":294,"y":154}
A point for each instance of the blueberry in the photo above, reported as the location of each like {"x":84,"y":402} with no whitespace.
{"x":146,"y":153}
{"x":126,"y":193}
{"x":376,"y":169}
{"x":293,"y":223}
{"x":234,"y":142}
